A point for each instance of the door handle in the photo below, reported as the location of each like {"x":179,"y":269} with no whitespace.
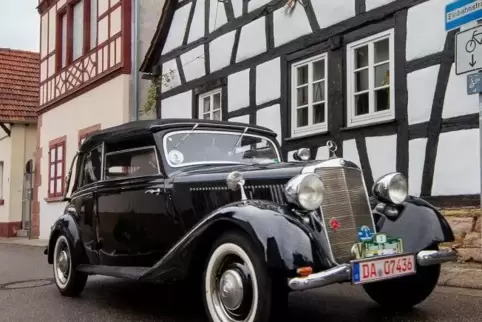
{"x":154,"y":191}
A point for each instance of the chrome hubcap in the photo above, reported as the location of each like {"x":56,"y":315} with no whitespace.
{"x":63,"y":262}
{"x":231,"y":290}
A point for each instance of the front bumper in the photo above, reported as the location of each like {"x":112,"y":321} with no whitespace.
{"x":342,"y":273}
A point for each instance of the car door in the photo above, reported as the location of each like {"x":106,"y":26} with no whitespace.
{"x":135,"y":227}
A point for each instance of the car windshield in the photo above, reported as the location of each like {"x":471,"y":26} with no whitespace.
{"x":198,"y":147}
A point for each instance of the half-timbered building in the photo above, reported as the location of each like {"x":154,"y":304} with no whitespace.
{"x":89,"y":80}
{"x":375,"y":76}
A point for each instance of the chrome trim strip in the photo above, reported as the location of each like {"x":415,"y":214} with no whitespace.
{"x":434,"y":257}
{"x":166,"y":136}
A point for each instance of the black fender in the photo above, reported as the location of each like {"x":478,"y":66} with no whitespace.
{"x":419,"y":224}
{"x":284,"y":241}
{"x":67,"y":225}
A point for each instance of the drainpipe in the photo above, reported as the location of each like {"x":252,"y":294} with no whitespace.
{"x":135,"y":57}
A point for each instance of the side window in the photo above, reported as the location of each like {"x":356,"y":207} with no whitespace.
{"x":92,"y":166}
{"x":131,"y":163}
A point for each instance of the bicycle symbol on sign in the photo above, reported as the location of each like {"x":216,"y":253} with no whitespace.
{"x":472,"y":43}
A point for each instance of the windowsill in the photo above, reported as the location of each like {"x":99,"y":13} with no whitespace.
{"x":305,"y":136}
{"x":365,"y":125}
{"x":53,"y":199}
{"x":2,"y":202}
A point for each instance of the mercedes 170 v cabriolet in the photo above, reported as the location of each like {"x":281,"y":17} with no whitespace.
{"x":215,"y":203}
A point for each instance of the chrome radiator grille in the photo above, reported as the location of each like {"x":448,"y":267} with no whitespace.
{"x":346,"y":201}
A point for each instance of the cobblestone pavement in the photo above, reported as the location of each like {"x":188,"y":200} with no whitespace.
{"x":27,"y":293}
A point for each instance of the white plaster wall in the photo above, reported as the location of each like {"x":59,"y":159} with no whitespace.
{"x":322,"y":153}
{"x":193,"y":63}
{"x":457,"y":167}
{"x":350,"y":152}
{"x":255,"y":4}
{"x":177,"y":29}
{"x":5,"y":157}
{"x":237,"y":8}
{"x":220,"y":51}
{"x":252,"y":40}
{"x":197,"y":24}
{"x":170,"y":67}
{"x":421,"y":90}
{"x":177,"y":106}
{"x":109,"y":103}
{"x":329,"y":12}
{"x":382,"y":154}
{"x":268,"y":81}
{"x":372,"y":4}
{"x":289,"y":26}
{"x":238,"y":90}
{"x":217,"y":15}
{"x":457,"y":102}
{"x":270,"y":117}
{"x":425,"y":29}
{"x":240,"y":119}
{"x":416,"y":159}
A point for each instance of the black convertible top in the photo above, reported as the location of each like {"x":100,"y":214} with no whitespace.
{"x":134,"y":128}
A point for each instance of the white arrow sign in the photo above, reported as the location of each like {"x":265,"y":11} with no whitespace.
{"x":468,"y":50}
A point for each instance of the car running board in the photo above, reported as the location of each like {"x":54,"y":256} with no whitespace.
{"x":126,"y":272}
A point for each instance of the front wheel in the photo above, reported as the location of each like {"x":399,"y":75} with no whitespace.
{"x":403,"y":293}
{"x":236,"y":282}
{"x":69,"y":281}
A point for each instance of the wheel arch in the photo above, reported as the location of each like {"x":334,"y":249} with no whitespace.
{"x":67,"y":226}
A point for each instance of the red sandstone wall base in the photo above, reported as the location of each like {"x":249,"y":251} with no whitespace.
{"x":9,"y":229}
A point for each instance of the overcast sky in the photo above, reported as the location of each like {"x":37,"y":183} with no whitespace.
{"x":20,"y":25}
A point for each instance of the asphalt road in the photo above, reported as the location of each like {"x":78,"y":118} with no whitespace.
{"x":27,"y":293}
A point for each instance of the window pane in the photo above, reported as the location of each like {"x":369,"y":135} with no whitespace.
{"x":217,"y":115}
{"x":361,"y":80}
{"x":217,"y":101}
{"x":319,"y":70}
{"x":64,"y":40}
{"x":382,"y":75}
{"x":78,"y":30}
{"x":59,"y":169}
{"x":302,"y":117}
{"x":207,"y":116}
{"x":382,"y":51}
{"x":361,"y":104}
{"x":93,"y":23}
{"x":207,"y":104}
{"x":361,"y":57}
{"x":382,"y":99}
{"x":52,"y":186}
{"x":302,"y":75}
{"x":53,"y":155}
{"x":131,"y":164}
{"x":52,"y":171}
{"x":60,"y":151}
{"x":319,"y":92}
{"x":58,"y":188}
{"x":302,"y":96}
{"x":92,"y":166}
{"x":319,"y":113}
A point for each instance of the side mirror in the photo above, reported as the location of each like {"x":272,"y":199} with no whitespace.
{"x":302,"y":154}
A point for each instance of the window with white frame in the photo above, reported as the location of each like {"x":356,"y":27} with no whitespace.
{"x":370,"y":79}
{"x":210,"y":105}
{"x":308,"y":92}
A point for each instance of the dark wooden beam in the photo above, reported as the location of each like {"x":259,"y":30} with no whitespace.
{"x":5,"y":128}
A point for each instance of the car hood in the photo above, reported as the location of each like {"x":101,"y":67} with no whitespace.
{"x":206,"y":173}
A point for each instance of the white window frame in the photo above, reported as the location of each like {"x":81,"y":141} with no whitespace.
{"x":210,"y":94}
{"x":310,"y":128}
{"x":372,"y":116}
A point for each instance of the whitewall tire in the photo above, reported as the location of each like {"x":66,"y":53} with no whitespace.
{"x":69,"y":281}
{"x":236,"y":285}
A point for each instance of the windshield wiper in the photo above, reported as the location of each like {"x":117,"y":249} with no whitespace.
{"x":239,"y":139}
{"x":185,"y":136}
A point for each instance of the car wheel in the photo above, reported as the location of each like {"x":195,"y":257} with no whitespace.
{"x":403,"y":293}
{"x":236,"y":283}
{"x":69,"y":281}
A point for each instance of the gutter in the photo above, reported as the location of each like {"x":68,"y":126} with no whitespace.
{"x":135,"y":57}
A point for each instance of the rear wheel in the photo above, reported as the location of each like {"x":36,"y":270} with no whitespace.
{"x":69,"y":281}
{"x":236,"y":282}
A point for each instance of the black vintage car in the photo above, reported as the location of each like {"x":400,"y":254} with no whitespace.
{"x":213,"y":203}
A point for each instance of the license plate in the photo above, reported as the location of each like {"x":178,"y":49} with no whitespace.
{"x":366,"y":271}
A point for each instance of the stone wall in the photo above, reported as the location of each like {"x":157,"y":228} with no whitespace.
{"x":466,"y":225}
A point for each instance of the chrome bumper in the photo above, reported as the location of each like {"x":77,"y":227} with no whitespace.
{"x":342,"y":273}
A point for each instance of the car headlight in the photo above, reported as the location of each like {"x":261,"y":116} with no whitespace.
{"x":391,"y":188}
{"x":305,"y":191}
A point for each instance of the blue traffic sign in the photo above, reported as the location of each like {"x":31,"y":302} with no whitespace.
{"x":461,"y":12}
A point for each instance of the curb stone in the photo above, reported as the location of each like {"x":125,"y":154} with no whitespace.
{"x":20,"y":241}
{"x":461,"y":275}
